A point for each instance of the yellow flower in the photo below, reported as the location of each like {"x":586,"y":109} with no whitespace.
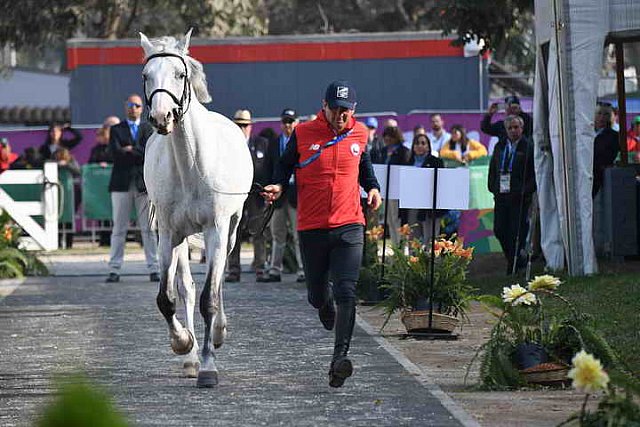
{"x":545,"y":282}
{"x":415,"y":244}
{"x":464,"y":253}
{"x":413,"y":259}
{"x":516,"y":295}
{"x":8,"y":233}
{"x":587,"y":373}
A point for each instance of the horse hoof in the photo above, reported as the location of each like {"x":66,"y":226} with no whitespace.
{"x":219,"y":335}
{"x":190,"y":369}
{"x":181,"y":348}
{"x":207,"y":379}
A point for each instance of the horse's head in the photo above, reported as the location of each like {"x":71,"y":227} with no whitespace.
{"x":170,"y":76}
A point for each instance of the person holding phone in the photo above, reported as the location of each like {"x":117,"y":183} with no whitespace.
{"x":511,"y":107}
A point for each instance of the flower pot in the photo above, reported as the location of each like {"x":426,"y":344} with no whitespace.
{"x":418,"y":321}
{"x":528,"y":355}
{"x":551,"y":374}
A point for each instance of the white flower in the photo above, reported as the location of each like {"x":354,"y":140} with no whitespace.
{"x":516,"y":295}
{"x":546,"y":282}
{"x":587,"y":373}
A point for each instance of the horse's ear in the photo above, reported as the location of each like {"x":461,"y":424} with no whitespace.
{"x":146,"y":45}
{"x":185,"y":42}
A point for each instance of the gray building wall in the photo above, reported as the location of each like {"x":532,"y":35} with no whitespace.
{"x":400,"y":85}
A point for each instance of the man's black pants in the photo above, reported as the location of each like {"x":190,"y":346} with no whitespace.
{"x":332,"y":255}
{"x":510,"y":214}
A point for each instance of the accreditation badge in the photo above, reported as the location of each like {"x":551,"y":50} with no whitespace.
{"x":505,"y":183}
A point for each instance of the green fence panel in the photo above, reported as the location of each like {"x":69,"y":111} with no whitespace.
{"x":33,"y":193}
{"x":479,"y":195}
{"x":96,"y":199}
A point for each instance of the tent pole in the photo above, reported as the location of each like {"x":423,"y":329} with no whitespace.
{"x":622,"y":102}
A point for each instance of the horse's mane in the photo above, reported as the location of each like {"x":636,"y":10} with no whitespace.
{"x":196,"y":72}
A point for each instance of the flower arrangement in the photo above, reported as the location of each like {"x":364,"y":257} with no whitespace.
{"x":525,"y":337}
{"x":15,"y":261}
{"x":618,"y":407}
{"x":408,"y":275}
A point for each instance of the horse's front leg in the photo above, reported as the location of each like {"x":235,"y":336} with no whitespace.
{"x":211,"y":306}
{"x":187,"y":290}
{"x":182,"y":339}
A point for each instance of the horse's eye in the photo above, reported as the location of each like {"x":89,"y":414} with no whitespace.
{"x":144,"y":77}
{"x":181,"y":76}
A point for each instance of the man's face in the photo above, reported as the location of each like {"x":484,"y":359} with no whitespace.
{"x":287,"y":125}
{"x":337,"y":117}
{"x":133,"y":107}
{"x":513,"y":109}
{"x":514,"y":130}
{"x":436,"y":123}
{"x":245,"y":128}
{"x":602,"y":118}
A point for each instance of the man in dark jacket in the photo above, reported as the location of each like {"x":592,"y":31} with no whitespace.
{"x":512,"y":108}
{"x":512,"y":183}
{"x":284,"y":220}
{"x":253,"y":212}
{"x":605,"y":145}
{"x":127,"y":142}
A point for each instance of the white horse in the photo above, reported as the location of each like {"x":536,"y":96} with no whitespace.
{"x":198,"y":172}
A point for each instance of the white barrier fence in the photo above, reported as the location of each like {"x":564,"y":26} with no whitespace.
{"x":44,"y":237}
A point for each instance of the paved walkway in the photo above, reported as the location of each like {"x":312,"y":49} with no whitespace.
{"x":273,"y":366}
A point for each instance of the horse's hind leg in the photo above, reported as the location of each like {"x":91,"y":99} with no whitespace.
{"x":211,"y":302}
{"x":187,"y":290}
{"x":182,"y":340}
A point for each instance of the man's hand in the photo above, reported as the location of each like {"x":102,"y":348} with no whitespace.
{"x":128,"y":148}
{"x":374,"y":199}
{"x":493,"y":108}
{"x":271,"y":192}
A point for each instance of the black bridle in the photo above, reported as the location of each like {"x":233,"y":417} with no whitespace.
{"x":184,"y":101}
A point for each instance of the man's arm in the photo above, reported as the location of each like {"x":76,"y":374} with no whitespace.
{"x":286,"y":163}
{"x":71,"y":142}
{"x":366,"y":176}
{"x":120,"y":149}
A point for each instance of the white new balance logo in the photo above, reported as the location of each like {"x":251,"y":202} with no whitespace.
{"x":314,"y":147}
{"x":342,"y":92}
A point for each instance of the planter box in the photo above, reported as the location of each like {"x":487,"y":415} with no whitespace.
{"x":418,"y":321}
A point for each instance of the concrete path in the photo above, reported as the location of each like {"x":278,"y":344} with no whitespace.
{"x":273,"y":366}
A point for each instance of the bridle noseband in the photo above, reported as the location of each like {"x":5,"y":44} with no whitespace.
{"x":184,"y":101}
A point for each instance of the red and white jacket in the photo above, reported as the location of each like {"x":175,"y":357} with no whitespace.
{"x":329,"y":186}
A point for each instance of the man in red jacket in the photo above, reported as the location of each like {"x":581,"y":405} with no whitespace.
{"x":6,"y":156}
{"x":331,"y":163}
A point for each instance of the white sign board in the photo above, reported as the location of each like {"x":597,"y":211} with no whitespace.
{"x":416,"y":188}
{"x":413,"y":186}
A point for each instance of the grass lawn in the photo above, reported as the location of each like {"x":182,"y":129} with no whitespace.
{"x":611,"y":297}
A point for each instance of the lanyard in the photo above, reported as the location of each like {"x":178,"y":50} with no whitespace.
{"x":334,"y":141}
{"x":512,"y":153}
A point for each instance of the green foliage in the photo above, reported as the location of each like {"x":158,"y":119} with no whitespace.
{"x":78,"y":404}
{"x":14,"y":261}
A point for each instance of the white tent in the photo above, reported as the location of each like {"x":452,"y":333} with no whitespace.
{"x":571,"y":35}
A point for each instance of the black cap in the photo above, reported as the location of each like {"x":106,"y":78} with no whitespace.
{"x":289,"y":113}
{"x":341,"y":93}
{"x":512,"y":99}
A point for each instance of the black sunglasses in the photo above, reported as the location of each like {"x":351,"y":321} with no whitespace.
{"x":287,"y":121}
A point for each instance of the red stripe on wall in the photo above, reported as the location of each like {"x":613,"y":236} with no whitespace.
{"x":276,"y":52}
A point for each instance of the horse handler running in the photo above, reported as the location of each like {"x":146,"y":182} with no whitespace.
{"x":330,"y":160}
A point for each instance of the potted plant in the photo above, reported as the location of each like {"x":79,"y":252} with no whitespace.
{"x":408,"y":276}
{"x":371,"y":272}
{"x":529,"y":345}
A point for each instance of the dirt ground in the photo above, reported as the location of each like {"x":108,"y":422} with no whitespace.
{"x":445,"y":363}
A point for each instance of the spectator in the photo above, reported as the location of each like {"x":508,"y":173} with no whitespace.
{"x":461,"y":148}
{"x":55,"y":140}
{"x":128,"y":140}
{"x":605,"y":145}
{"x":391,"y":123}
{"x":110,"y":121}
{"x":633,"y":139}
{"x":512,"y":108}
{"x":253,"y":211}
{"x":7,"y":158}
{"x":421,"y":157}
{"x":408,"y":136}
{"x":66,"y":161}
{"x":269,"y":134}
{"x":614,"y":119}
{"x":438,"y":135}
{"x":30,"y":159}
{"x":374,"y":142}
{"x":512,"y":183}
{"x":284,"y":219}
{"x":100,"y":153}
{"x":393,"y":153}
